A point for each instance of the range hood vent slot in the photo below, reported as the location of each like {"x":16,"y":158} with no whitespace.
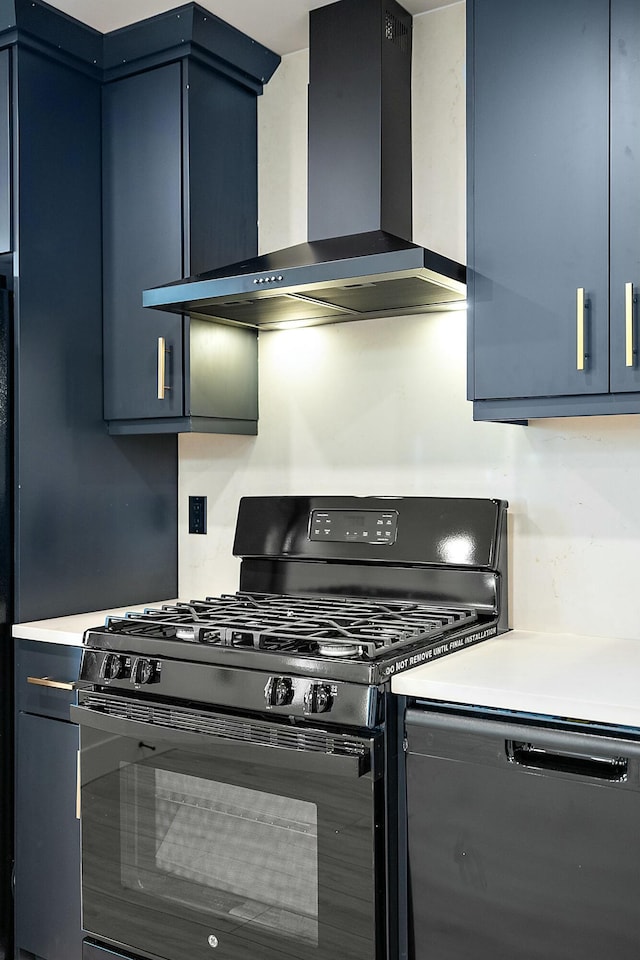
{"x":396,"y":32}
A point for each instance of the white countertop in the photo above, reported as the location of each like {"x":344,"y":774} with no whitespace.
{"x":558,"y":675}
{"x":69,"y":630}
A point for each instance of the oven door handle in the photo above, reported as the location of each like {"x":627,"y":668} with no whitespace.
{"x":248,"y":751}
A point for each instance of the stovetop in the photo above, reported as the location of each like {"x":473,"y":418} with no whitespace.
{"x":347,"y":639}
{"x":323,"y":627}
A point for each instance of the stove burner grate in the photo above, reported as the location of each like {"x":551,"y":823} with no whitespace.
{"x":332,"y":627}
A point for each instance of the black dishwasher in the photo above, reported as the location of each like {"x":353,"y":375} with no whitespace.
{"x":523,"y":838}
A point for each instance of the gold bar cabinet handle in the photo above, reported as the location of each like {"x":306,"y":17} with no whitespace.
{"x":580,"y":307}
{"x":78,"y":785}
{"x":162,"y":355}
{"x":163,"y":349}
{"x":48,"y":682}
{"x":628,"y":316}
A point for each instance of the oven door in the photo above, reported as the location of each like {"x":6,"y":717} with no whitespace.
{"x":209,"y":837}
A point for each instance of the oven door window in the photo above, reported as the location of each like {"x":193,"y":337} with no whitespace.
{"x":187,"y":854}
{"x":224,"y":849}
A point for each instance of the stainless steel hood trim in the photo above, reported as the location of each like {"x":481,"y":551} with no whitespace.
{"x":185,"y":295}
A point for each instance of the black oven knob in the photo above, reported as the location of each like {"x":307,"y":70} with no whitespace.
{"x":318,"y":698}
{"x":143,"y":671}
{"x":278,"y":691}
{"x":112,"y":667}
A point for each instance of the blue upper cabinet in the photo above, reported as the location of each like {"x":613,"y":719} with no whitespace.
{"x":142,"y":238}
{"x":82,"y":512}
{"x":553,"y":207}
{"x":179,"y":197}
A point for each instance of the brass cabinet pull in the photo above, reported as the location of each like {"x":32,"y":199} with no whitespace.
{"x":628,"y":315}
{"x":78,"y":785}
{"x":580,"y":308}
{"x":162,"y":367}
{"x":48,"y":682}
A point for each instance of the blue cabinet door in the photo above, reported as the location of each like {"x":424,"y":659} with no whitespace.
{"x":625,"y":195}
{"x":143,"y":240}
{"x":539,"y":206}
{"x":47,"y":892}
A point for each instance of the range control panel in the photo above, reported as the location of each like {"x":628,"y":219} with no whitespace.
{"x":353,"y":526}
{"x":112,"y":667}
{"x":303,"y":696}
{"x":239,"y":689}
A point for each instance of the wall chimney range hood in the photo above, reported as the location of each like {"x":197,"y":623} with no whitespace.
{"x":358,"y":262}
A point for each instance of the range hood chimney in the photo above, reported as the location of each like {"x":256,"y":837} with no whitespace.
{"x":359,"y":261}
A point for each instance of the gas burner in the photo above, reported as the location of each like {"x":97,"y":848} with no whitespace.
{"x":339,"y":650}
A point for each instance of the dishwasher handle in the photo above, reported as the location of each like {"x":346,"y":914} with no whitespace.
{"x":607,"y":769}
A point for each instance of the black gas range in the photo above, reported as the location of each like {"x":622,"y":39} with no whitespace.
{"x":337,"y":594}
{"x":241,"y":755}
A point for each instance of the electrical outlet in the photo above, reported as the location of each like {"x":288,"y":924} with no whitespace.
{"x":197,"y":514}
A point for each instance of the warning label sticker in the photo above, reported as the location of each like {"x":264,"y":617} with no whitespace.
{"x":438,"y":650}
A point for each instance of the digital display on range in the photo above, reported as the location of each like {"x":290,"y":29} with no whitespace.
{"x":355,"y":521}
{"x":350,"y":526}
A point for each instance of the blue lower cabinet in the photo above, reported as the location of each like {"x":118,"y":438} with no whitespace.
{"x":47,"y":836}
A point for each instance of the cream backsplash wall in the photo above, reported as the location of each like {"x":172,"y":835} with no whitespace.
{"x":379,"y":406}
